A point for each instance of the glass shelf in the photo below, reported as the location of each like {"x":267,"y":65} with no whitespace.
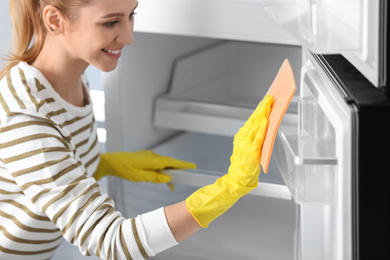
{"x":211,"y":153}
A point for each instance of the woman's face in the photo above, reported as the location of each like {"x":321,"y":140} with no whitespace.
{"x":100,"y":32}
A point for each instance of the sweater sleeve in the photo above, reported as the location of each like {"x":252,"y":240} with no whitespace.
{"x":46,"y":169}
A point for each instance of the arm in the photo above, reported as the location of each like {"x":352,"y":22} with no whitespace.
{"x":187,"y":217}
{"x":180,"y":221}
{"x":49,"y":176}
{"x":209,"y":202}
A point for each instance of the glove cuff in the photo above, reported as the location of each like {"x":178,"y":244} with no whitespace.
{"x":102,"y":170}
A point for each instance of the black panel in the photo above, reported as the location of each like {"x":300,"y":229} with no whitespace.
{"x":371,"y":166}
{"x":358,"y":89}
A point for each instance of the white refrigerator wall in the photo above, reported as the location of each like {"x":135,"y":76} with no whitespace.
{"x":144,"y":72}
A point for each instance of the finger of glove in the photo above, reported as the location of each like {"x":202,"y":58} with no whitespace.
{"x":153,"y":176}
{"x":260,"y":136}
{"x":152,"y":160}
{"x":265,"y":103}
{"x":263,"y":110}
{"x":172,"y":163}
{"x":149,"y":160}
{"x":247,"y":166}
{"x":144,"y":159}
{"x":171,"y":186}
{"x":163,"y":178}
{"x":255,"y":137}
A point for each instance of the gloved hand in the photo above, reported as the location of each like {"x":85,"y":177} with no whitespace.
{"x":209,"y":202}
{"x":138,"y":166}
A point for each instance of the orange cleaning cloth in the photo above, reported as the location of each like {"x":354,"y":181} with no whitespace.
{"x":282,"y":90}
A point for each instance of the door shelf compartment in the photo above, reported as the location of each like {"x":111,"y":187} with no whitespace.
{"x":216,"y":89}
{"x":211,"y":153}
{"x":306,"y":164}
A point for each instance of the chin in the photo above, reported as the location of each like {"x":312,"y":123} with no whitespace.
{"x":106,"y":67}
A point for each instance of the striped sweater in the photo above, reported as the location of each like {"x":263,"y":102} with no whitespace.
{"x":48,"y":154}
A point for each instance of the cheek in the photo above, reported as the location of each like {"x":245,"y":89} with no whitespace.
{"x":98,"y":42}
{"x":90,"y":42}
{"x":88,"y":47}
{"x":91,"y":51}
{"x":80,"y":45}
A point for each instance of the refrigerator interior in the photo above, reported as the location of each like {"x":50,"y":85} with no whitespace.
{"x":140,"y":94}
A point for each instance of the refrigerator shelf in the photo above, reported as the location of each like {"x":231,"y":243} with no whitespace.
{"x":198,"y":179}
{"x":201,"y":116}
{"x":212,"y":157}
{"x":216,"y":89}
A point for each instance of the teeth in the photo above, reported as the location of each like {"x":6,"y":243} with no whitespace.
{"x":112,"y":52}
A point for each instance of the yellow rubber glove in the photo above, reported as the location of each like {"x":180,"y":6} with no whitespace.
{"x":139,"y":166}
{"x":209,"y":202}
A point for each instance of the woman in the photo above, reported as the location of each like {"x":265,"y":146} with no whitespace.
{"x":49,"y":152}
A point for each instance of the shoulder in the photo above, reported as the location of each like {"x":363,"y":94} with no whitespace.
{"x":23,"y":97}
{"x":19,"y":90}
{"x":24,"y":89}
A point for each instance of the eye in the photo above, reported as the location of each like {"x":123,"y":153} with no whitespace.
{"x":110,"y":24}
{"x":132,"y":15}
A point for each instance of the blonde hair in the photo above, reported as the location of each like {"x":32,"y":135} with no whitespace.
{"x":29,"y":32}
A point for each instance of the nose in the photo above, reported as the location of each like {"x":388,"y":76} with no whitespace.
{"x":126,"y":34}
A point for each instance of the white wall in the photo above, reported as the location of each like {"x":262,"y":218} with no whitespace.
{"x":5,"y":30}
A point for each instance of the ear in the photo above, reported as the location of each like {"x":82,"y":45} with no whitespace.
{"x":53,"y":19}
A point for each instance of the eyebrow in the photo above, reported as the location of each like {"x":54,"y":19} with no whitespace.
{"x":113,"y":15}
{"x":116,"y":14}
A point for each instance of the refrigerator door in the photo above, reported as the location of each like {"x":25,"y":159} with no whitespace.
{"x":353,"y":226}
{"x":370,"y":60}
{"x":354,"y":28}
{"x":370,"y":109}
{"x":322,"y":26}
{"x":324,"y":188}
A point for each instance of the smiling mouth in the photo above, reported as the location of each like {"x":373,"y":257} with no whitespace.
{"x":111,"y":51}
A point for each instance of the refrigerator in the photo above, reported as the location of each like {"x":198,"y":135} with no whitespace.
{"x":194,"y":74}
